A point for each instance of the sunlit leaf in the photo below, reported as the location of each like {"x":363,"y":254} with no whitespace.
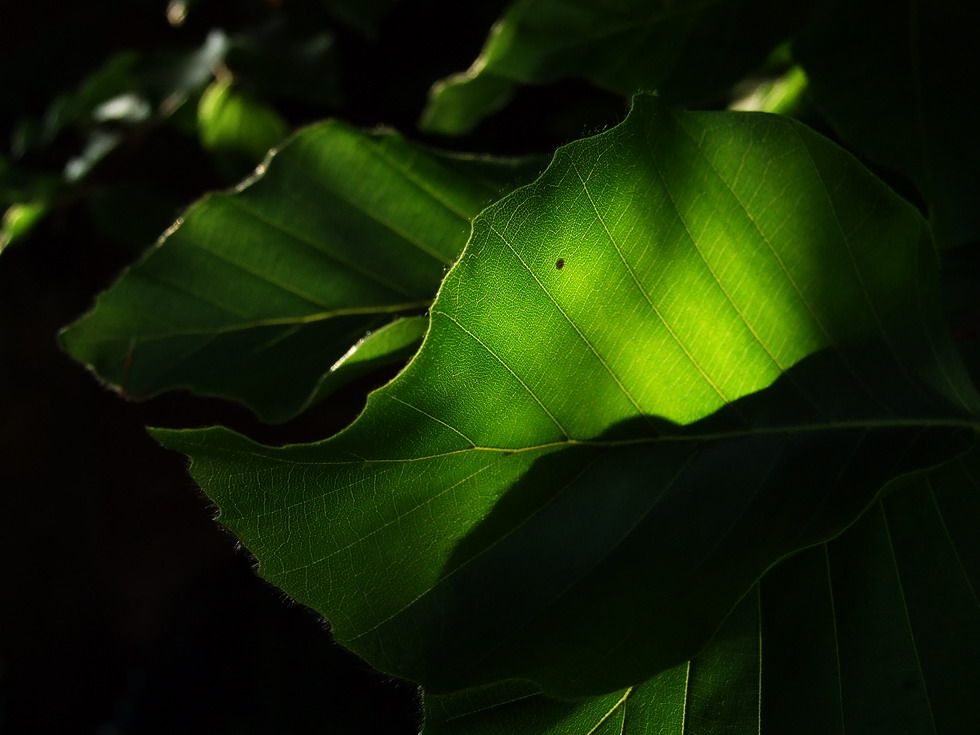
{"x":697,"y":343}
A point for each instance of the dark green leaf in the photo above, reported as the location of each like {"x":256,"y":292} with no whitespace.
{"x":698,"y":343}
{"x":716,"y":693}
{"x":879,"y":631}
{"x":392,"y":344}
{"x":363,"y":15}
{"x":875,"y":633}
{"x":899,"y":82}
{"x":690,"y":52}
{"x":254,"y":294}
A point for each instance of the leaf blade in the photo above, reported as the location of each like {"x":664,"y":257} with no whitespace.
{"x":255,"y":293}
{"x":893,"y":87}
{"x":599,"y":466}
{"x":690,"y":52}
{"x":802,"y":685}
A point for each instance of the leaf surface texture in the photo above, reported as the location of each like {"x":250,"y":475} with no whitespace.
{"x":255,"y":293}
{"x":698,"y":343}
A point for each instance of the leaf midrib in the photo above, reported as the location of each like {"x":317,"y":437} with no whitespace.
{"x":882,"y":424}
{"x":285,"y":321}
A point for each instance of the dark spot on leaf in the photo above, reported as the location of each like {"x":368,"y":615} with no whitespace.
{"x":908,"y":685}
{"x":560,"y":263}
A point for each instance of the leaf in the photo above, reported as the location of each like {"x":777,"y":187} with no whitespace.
{"x":782,"y":95}
{"x":682,"y":700}
{"x":237,"y":129}
{"x":689,"y":52}
{"x":18,"y":221}
{"x":362,"y":15}
{"x":291,"y":56}
{"x":697,"y":343}
{"x":898,"y":82}
{"x":255,"y":293}
{"x":879,"y":631}
{"x":876,"y":632}
{"x":394,"y":343}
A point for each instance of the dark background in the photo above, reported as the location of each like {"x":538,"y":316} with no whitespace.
{"x":123,"y":607}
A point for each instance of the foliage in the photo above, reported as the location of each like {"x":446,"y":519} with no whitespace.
{"x":688,"y":443}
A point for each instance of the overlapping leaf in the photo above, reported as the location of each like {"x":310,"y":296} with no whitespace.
{"x":874,"y":633}
{"x":393,"y":343}
{"x":698,"y":343}
{"x":899,"y":83}
{"x":256,"y":293}
{"x":690,"y":52}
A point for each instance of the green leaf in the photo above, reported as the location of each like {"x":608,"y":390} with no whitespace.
{"x":689,"y":52}
{"x":879,"y":631}
{"x":392,"y":344}
{"x":718,"y":692}
{"x":237,"y":129}
{"x":255,"y":293}
{"x":899,"y":83}
{"x":876,"y":632}
{"x":19,"y":219}
{"x":783,"y":95}
{"x":697,"y":343}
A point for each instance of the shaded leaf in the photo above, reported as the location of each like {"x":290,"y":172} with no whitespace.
{"x":254,"y":294}
{"x":718,"y":692}
{"x":689,"y":52}
{"x":899,"y":83}
{"x":668,"y":363}
{"x":363,"y":15}
{"x":289,"y":57}
{"x":392,"y":344}
{"x":874,"y":633}
{"x":879,"y":632}
{"x":111,"y":113}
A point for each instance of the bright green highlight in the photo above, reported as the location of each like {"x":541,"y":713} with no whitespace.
{"x":783,"y":95}
{"x":19,"y":220}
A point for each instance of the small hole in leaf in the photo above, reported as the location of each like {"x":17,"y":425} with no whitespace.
{"x":560,"y":263}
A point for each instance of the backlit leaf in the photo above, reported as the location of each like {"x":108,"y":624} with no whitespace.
{"x":255,"y":293}
{"x":698,"y":343}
